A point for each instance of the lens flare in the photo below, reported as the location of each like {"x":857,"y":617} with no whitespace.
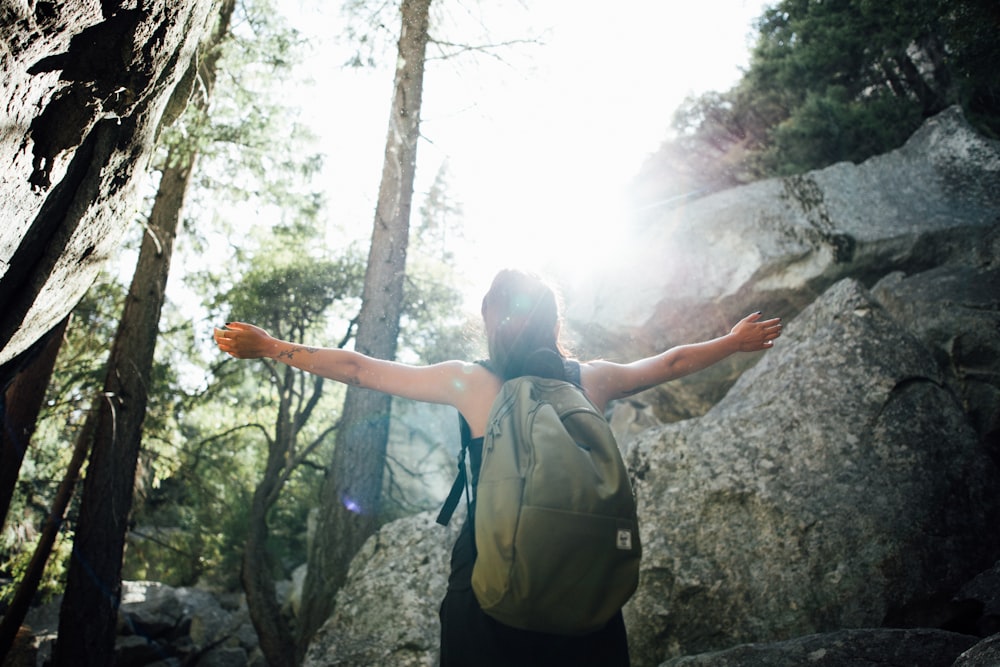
{"x":351,"y":505}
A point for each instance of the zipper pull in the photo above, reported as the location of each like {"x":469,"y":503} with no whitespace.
{"x":492,"y":431}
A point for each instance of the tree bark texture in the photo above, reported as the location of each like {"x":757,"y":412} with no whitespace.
{"x":88,"y":616}
{"x":351,"y":496}
{"x":85,"y":85}
{"x":27,"y":587}
{"x":22,"y":401}
{"x":273,"y":631}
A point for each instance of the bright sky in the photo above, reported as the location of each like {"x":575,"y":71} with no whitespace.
{"x":540,"y":144}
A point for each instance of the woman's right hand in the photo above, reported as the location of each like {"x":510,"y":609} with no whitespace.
{"x":244,"y":341}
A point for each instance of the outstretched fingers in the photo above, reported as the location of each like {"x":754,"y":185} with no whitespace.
{"x":224,"y":339}
{"x":769,"y":330}
{"x":243,"y":341}
{"x":754,"y":333}
{"x":228,"y":337}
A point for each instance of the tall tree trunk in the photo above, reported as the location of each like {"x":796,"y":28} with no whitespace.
{"x":931,"y":103}
{"x":275,"y":635}
{"x":89,"y":612}
{"x":28,"y":585}
{"x":296,"y":405}
{"x":22,"y":401}
{"x":88,"y":616}
{"x":351,"y":496}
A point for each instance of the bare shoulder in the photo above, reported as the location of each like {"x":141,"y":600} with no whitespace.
{"x":477,"y":389}
{"x":470,"y":377}
{"x":598,"y":378}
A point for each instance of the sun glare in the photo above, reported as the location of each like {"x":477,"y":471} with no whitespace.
{"x":552,"y":221}
{"x":546,"y":156}
{"x":541,"y":139}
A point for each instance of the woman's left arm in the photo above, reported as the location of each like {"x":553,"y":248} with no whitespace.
{"x":607,"y":381}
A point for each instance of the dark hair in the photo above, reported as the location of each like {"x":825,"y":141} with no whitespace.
{"x":521,"y":314}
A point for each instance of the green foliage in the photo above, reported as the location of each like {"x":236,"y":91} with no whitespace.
{"x":288,"y":292}
{"x":73,"y":390}
{"x":971,"y":39}
{"x":249,"y":141}
{"x":84,"y":351}
{"x":285,"y":282}
{"x":834,"y":80}
{"x":833,"y":128}
{"x":254,"y":174}
{"x":191,"y":524}
{"x":16,"y":564}
{"x":77,"y":377}
{"x":431,"y":327}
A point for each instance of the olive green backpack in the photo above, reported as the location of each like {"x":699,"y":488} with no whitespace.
{"x":555,"y":518}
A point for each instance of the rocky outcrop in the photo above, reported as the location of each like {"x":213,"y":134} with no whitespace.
{"x":975,"y":610}
{"x":984,"y":654}
{"x":388,"y":613}
{"x":836,"y":500}
{"x":837,"y":484}
{"x":164,"y":625}
{"x":776,"y":245}
{"x":86,"y":86}
{"x":955,"y":312}
{"x":856,"y":648}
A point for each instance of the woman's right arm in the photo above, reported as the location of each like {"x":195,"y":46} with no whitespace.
{"x":447,"y":382}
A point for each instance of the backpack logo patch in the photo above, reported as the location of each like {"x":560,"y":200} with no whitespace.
{"x":624,"y":540}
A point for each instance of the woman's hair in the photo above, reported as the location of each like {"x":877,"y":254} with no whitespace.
{"x":521,"y":314}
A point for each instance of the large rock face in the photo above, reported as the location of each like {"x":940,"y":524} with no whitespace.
{"x":844,"y":485}
{"x":838,"y":482}
{"x":776,"y":245}
{"x":955,"y":311}
{"x":85,"y":85}
{"x":388,"y":613}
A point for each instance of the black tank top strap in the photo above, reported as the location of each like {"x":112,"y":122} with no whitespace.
{"x":572,"y":368}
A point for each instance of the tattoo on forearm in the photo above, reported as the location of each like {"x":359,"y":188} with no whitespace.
{"x":290,"y":353}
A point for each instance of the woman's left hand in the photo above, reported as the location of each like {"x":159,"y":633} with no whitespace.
{"x":753,"y":334}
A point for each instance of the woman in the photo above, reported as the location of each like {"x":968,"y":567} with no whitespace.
{"x":522,"y":321}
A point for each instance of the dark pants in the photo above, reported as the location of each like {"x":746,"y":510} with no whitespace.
{"x":469,"y":637}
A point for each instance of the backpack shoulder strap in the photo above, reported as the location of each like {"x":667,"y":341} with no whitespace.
{"x":461,"y":482}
